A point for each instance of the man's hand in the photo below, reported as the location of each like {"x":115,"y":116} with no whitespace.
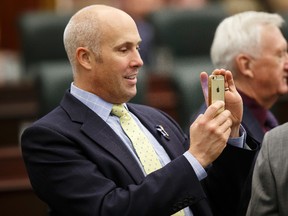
{"x":209,"y":134}
{"x":233,"y":101}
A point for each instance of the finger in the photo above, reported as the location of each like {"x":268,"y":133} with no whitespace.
{"x":219,"y":72}
{"x":230,"y":81}
{"x":227,"y":133}
{"x":204,"y":85}
{"x":212,"y":110}
{"x":225,"y":125}
{"x":223,"y":121}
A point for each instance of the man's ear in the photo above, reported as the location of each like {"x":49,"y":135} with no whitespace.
{"x":244,"y":64}
{"x":84,"y":57}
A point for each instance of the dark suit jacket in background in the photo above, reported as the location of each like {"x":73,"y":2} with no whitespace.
{"x":79,"y":166}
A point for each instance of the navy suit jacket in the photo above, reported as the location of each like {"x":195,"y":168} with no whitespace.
{"x":79,"y":166}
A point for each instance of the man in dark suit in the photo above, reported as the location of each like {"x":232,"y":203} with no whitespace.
{"x":243,"y":44}
{"x":81,"y":162}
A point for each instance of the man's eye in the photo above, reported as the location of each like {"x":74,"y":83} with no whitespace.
{"x":138,"y":48}
{"x":283,"y":54}
{"x":123,"y":49}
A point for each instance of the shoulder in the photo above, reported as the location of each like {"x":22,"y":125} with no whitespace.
{"x":275,"y":143}
{"x":280,"y":133}
{"x":53,"y":117}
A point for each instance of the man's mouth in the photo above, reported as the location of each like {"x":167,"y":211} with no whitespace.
{"x":131,"y":77}
{"x":285,"y":79}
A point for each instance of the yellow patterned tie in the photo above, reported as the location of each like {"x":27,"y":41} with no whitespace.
{"x":143,"y":147}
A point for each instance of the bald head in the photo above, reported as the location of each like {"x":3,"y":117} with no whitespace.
{"x":89,"y":26}
{"x":103,"y":13}
{"x":102,"y":44}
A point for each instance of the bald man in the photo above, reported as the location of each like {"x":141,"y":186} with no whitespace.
{"x":81,"y":162}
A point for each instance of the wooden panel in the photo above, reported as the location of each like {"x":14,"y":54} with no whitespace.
{"x":21,"y":203}
{"x":161,"y":94}
{"x":16,"y":194}
{"x":9,"y":15}
{"x":11,"y":167}
{"x":18,"y":105}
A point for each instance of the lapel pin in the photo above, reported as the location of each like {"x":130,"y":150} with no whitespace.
{"x":162,"y":131}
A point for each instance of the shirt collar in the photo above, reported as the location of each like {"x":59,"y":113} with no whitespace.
{"x":92,"y":101}
{"x":258,"y":111}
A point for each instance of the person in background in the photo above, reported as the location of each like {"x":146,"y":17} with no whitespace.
{"x":260,"y":70}
{"x":83,"y":158}
{"x":270,"y":180}
{"x":251,"y":45}
{"x":275,"y":6}
{"x":187,"y":4}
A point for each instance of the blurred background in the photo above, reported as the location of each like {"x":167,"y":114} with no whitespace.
{"x":35,"y":72}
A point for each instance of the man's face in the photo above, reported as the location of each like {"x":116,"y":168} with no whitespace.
{"x":270,"y":69}
{"x":115,"y":76}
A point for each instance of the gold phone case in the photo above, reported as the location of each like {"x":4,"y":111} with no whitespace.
{"x":216,"y":88}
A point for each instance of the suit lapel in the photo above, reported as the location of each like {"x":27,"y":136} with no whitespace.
{"x":101,"y":134}
{"x":172,"y":149}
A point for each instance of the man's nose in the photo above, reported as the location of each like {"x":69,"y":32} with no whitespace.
{"x":137,"y":60}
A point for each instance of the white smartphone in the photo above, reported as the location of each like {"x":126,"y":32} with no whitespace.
{"x":216,"y":89}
